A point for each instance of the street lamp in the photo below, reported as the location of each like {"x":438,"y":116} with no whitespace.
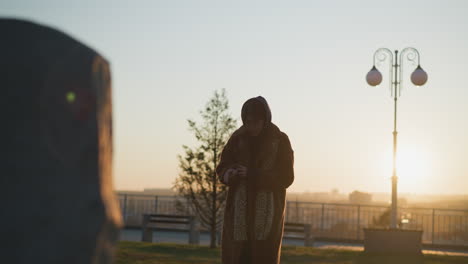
{"x":374,"y":78}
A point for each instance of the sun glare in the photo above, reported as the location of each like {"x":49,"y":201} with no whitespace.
{"x":413,"y":169}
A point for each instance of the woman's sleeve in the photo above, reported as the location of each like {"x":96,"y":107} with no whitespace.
{"x":282,"y":175}
{"x":226,"y":160}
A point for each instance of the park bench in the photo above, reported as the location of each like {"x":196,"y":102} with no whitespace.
{"x":303,"y":230}
{"x":170,"y":222}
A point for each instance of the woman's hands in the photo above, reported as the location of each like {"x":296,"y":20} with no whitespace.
{"x":236,"y":171}
{"x":241,"y":171}
{"x":228,"y":175}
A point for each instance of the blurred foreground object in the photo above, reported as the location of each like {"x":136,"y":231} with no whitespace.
{"x":56,"y":139}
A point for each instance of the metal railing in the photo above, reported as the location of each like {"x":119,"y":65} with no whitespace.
{"x":327,"y":220}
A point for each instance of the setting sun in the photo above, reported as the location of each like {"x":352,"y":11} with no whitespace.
{"x":413,"y":168}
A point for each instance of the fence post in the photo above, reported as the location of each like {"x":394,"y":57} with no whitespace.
{"x":297,"y":211}
{"x":433,"y":224}
{"x":156,"y":204}
{"x":125,"y":210}
{"x":358,"y":221}
{"x":322,"y":217}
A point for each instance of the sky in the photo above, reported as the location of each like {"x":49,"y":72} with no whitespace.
{"x":309,"y":59}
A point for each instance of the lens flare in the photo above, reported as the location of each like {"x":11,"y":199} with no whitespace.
{"x":71,"y":97}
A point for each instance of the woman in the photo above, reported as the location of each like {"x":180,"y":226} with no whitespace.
{"x":257,"y":166}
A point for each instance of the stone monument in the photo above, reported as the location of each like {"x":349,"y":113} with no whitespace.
{"x":58,"y":202}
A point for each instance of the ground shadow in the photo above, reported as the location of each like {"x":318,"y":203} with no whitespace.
{"x":368,"y":258}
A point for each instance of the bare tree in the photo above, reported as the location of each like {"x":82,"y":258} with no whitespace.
{"x":197,"y":180}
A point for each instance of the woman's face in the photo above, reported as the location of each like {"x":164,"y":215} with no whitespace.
{"x":254,"y":127}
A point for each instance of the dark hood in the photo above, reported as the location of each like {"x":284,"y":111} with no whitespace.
{"x":259,"y":100}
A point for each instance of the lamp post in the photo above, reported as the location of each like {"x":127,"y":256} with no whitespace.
{"x":374,"y":78}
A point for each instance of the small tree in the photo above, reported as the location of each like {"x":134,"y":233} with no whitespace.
{"x":197,"y":180}
{"x":383,"y":220}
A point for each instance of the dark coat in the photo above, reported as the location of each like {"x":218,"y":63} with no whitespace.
{"x":254,"y":213}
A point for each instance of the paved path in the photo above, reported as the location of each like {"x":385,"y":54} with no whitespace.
{"x":182,"y":237}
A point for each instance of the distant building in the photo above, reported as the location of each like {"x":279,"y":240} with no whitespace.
{"x":358,"y":197}
{"x":159,"y":191}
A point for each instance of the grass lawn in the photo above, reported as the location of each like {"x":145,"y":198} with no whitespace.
{"x":146,"y":253}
